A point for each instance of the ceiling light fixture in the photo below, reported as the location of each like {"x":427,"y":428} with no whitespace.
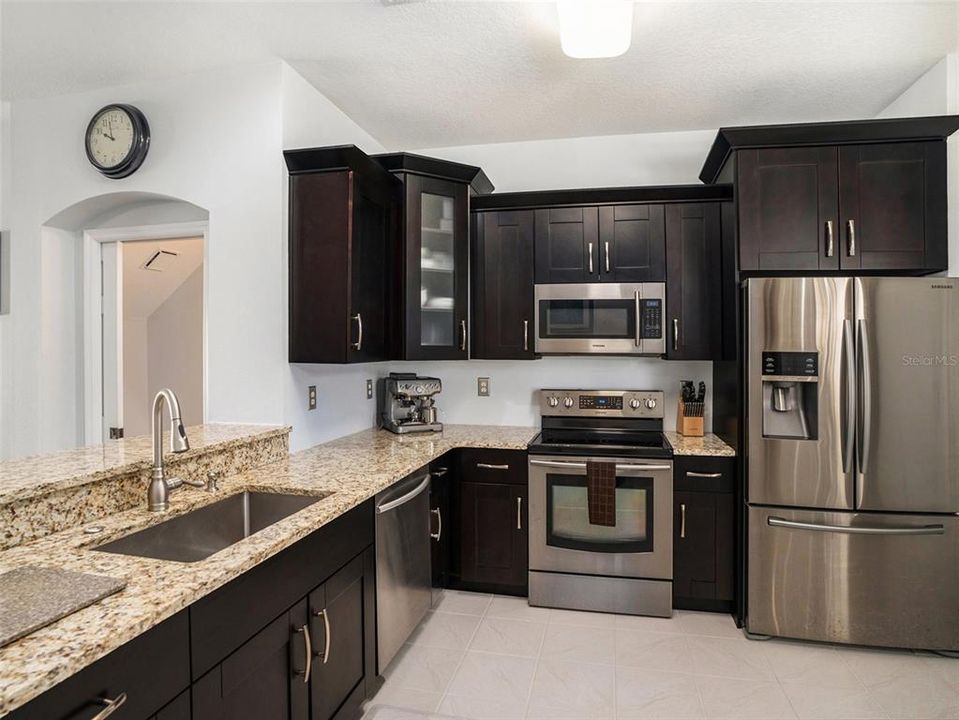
{"x":595,"y":28}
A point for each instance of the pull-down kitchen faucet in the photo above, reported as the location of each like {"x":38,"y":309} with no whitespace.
{"x":158,"y":497}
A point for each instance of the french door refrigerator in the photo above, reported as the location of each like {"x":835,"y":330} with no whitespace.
{"x":852,"y":421}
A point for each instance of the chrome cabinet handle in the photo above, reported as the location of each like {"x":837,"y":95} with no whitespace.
{"x":487,"y":466}
{"x":525,"y":335}
{"x":682,"y":520}
{"x":439,"y":472}
{"x":110,"y":706}
{"x":851,"y":227}
{"x":439,"y":524}
{"x":693,"y":473}
{"x":862,"y":530}
{"x":309,"y":654}
{"x":326,"y":625}
{"x":830,"y":246}
{"x":590,"y":252}
{"x":607,"y":255}
{"x":358,"y":345}
{"x":393,"y":504}
{"x":675,"y":333}
{"x":462,"y":334}
{"x":519,"y":513}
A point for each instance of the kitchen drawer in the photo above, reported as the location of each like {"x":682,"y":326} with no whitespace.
{"x":151,"y":669}
{"x":224,"y":620}
{"x":695,"y":473}
{"x":493,"y":466}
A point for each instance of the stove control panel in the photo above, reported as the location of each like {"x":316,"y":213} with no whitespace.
{"x":602,"y":403}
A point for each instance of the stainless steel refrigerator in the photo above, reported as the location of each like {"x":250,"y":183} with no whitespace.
{"x":853,"y":460}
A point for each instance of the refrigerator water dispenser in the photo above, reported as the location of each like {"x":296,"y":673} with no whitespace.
{"x":790,"y":395}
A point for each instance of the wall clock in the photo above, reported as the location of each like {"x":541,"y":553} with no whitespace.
{"x":117,"y":140}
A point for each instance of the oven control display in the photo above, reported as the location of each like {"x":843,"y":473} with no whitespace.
{"x":600,"y":402}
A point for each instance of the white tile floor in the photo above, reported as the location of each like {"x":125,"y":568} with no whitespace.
{"x":490,"y":657}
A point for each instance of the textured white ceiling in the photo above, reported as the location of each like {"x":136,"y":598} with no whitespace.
{"x":430,"y":74}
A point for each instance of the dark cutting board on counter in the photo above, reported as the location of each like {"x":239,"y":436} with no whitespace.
{"x":32,"y":597}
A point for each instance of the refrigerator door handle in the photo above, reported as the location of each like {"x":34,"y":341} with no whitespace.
{"x":849,"y":400}
{"x":864,"y":405}
{"x":860,"y":530}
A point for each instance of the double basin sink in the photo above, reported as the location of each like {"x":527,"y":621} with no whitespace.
{"x":199,"y":533}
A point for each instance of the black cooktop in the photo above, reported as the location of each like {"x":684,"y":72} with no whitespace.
{"x":601,"y":442}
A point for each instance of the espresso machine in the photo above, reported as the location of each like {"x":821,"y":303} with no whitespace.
{"x":407,"y":404}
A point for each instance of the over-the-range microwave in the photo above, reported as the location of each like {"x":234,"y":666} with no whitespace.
{"x":600,"y":318}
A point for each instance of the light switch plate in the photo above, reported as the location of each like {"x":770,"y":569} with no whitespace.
{"x":312,"y":396}
{"x":369,"y":389}
{"x":482,"y":386}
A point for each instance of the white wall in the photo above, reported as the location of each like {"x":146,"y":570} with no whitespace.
{"x":217,"y":144}
{"x":936,"y":92}
{"x":136,"y":394}
{"x":175,"y":348}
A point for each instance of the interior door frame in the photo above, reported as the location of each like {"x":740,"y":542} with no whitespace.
{"x":93,"y":241}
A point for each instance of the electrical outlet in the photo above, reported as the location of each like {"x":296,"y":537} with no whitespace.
{"x":312,"y":391}
{"x":369,"y":389}
{"x":482,"y":387}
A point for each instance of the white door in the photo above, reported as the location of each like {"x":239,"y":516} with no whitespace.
{"x":112,"y":319}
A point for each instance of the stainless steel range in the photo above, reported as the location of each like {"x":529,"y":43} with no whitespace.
{"x":626,"y":567}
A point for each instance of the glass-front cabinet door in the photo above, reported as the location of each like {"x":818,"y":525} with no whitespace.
{"x":437,"y":262}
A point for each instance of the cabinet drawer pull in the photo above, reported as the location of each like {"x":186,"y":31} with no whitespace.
{"x":439,"y":524}
{"x":439,"y":472}
{"x":309,"y":654}
{"x":110,"y":706}
{"x":358,"y":345}
{"x":519,"y":513}
{"x":590,"y":252}
{"x":851,"y":227}
{"x":675,"y":333}
{"x":682,"y":520}
{"x":607,"y":255}
{"x":830,"y":246}
{"x":326,"y":625}
{"x":462,"y":334}
{"x":487,"y":466}
{"x":525,"y":335}
{"x":691,"y":473}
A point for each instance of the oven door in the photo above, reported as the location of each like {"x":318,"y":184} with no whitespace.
{"x":561,"y":538}
{"x":600,"y":318}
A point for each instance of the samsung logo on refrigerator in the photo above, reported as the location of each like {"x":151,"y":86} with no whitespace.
{"x":943,"y":287}
{"x":930,"y":360}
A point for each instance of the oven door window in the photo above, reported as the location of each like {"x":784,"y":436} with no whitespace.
{"x":569,"y":319}
{"x":567,"y":516}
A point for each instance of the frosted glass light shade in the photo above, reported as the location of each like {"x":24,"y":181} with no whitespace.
{"x":595,"y":28}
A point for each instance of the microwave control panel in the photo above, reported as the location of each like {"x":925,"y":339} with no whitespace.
{"x":651,"y":318}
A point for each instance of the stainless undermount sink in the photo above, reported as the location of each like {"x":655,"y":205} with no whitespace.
{"x":199,"y":533}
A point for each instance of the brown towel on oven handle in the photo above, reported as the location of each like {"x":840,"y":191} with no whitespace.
{"x":601,"y":493}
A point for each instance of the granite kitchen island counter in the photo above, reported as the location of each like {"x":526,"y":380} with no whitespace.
{"x":348,"y":470}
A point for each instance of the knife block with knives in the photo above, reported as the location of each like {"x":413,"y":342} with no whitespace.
{"x":692,"y":406}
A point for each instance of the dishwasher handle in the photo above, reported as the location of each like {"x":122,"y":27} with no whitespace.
{"x":393,"y":504}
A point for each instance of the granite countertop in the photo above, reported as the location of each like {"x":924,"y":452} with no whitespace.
{"x":352,"y":469}
{"x":31,"y":476}
{"x":707,"y":446}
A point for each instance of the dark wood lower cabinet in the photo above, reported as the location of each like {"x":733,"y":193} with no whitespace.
{"x":494,"y":537}
{"x":179,"y":709}
{"x":442,"y":473}
{"x":703,"y":534}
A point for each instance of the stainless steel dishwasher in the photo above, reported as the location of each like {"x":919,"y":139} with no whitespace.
{"x":403,"y":576}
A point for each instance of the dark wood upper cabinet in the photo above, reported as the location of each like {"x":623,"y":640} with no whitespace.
{"x":431,"y":261}
{"x":893,"y":204}
{"x":862,"y":196}
{"x":502,"y":273}
{"x":693,"y":282}
{"x":788,"y":209}
{"x":343,"y":220}
{"x":567,"y":244}
{"x":632,"y":243}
